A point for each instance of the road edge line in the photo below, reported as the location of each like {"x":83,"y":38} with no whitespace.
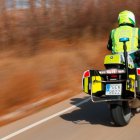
{"x":43,"y":120}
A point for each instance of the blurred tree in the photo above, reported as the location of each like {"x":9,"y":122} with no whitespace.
{"x":34,"y":31}
{"x":29,"y":21}
{"x":6,"y":31}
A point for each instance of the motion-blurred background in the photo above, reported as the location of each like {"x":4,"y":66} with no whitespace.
{"x":45,"y":45}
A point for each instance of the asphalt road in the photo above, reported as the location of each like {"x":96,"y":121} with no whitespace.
{"x":74,"y":119}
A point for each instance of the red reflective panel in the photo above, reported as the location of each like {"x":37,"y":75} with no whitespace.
{"x":86,"y":73}
{"x":138,"y":71}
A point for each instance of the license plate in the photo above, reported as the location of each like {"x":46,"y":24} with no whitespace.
{"x":113,"y":89}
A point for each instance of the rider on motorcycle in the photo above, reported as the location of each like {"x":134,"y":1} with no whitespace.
{"x":127,"y":23}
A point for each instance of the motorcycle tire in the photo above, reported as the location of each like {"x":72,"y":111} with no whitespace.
{"x":121,"y":113}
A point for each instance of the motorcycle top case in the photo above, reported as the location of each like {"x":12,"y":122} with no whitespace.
{"x":118,"y":59}
{"x":113,"y":59}
{"x":91,"y":82}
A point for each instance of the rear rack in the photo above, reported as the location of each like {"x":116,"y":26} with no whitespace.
{"x":113,"y":81}
{"x":105,"y":98}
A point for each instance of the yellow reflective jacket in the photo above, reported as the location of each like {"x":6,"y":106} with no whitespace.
{"x":124,"y":31}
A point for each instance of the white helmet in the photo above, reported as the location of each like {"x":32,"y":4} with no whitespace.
{"x":126,"y":17}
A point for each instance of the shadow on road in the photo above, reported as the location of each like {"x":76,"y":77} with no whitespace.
{"x":89,"y":113}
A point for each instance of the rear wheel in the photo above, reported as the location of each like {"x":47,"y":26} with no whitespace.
{"x":121,"y":113}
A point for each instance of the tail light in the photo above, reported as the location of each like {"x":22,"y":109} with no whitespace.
{"x":114,"y":76}
{"x":86,"y":74}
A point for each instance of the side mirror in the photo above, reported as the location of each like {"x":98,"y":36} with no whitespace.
{"x":124,"y":39}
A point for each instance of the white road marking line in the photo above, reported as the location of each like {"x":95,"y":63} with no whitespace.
{"x":44,"y":120}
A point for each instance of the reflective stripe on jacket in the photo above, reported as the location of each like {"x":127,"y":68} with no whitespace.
{"x":124,"y":31}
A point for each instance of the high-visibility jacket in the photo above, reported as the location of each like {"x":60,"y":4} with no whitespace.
{"x":124,"y":31}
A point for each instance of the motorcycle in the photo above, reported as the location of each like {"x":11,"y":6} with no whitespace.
{"x":118,"y":85}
